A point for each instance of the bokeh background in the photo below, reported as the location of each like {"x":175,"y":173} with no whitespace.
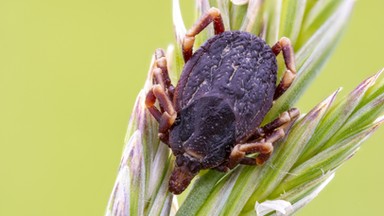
{"x":69,"y":74}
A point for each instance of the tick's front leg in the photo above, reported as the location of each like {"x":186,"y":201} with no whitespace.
{"x":162,"y":90}
{"x":212,"y":15}
{"x":160,"y":73}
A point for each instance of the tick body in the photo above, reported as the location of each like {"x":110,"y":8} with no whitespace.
{"x":211,"y":120}
{"x":237,"y":68}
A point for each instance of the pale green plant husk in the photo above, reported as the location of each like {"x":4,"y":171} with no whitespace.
{"x":301,"y":165}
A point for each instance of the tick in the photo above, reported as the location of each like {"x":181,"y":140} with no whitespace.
{"x":211,"y":119}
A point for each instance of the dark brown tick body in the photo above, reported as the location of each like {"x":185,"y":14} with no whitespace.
{"x":212,"y":118}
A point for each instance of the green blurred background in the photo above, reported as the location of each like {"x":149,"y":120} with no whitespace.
{"x":69,"y":74}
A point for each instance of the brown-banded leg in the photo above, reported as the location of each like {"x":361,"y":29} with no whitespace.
{"x":162,"y":90}
{"x":264,"y":147}
{"x":284,"y":120}
{"x":284,"y":44}
{"x":166,"y":118}
{"x":212,"y":15}
{"x":160,"y":73}
{"x":263,"y":140}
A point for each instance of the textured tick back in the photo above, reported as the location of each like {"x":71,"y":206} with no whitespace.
{"x":205,"y":129}
{"x":237,"y":66}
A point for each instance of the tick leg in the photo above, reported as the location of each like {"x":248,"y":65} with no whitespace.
{"x":212,"y":15}
{"x":264,"y":147}
{"x":160,"y":73}
{"x":263,"y":140}
{"x":169,"y":114}
{"x":150,"y":101}
{"x":284,"y":120}
{"x":162,"y":90}
{"x":284,"y":44}
{"x":166,"y":118}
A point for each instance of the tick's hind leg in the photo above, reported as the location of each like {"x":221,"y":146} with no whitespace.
{"x":284,"y":44}
{"x":212,"y":15}
{"x":263,"y":141}
{"x":284,"y":121}
{"x":162,"y":90}
{"x":264,"y":147}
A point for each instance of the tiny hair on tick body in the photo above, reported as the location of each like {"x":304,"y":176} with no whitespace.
{"x":211,"y":118}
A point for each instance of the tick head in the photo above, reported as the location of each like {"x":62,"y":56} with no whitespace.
{"x":184,"y":171}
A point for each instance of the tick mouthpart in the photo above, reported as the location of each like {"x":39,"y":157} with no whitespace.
{"x":180,"y":179}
